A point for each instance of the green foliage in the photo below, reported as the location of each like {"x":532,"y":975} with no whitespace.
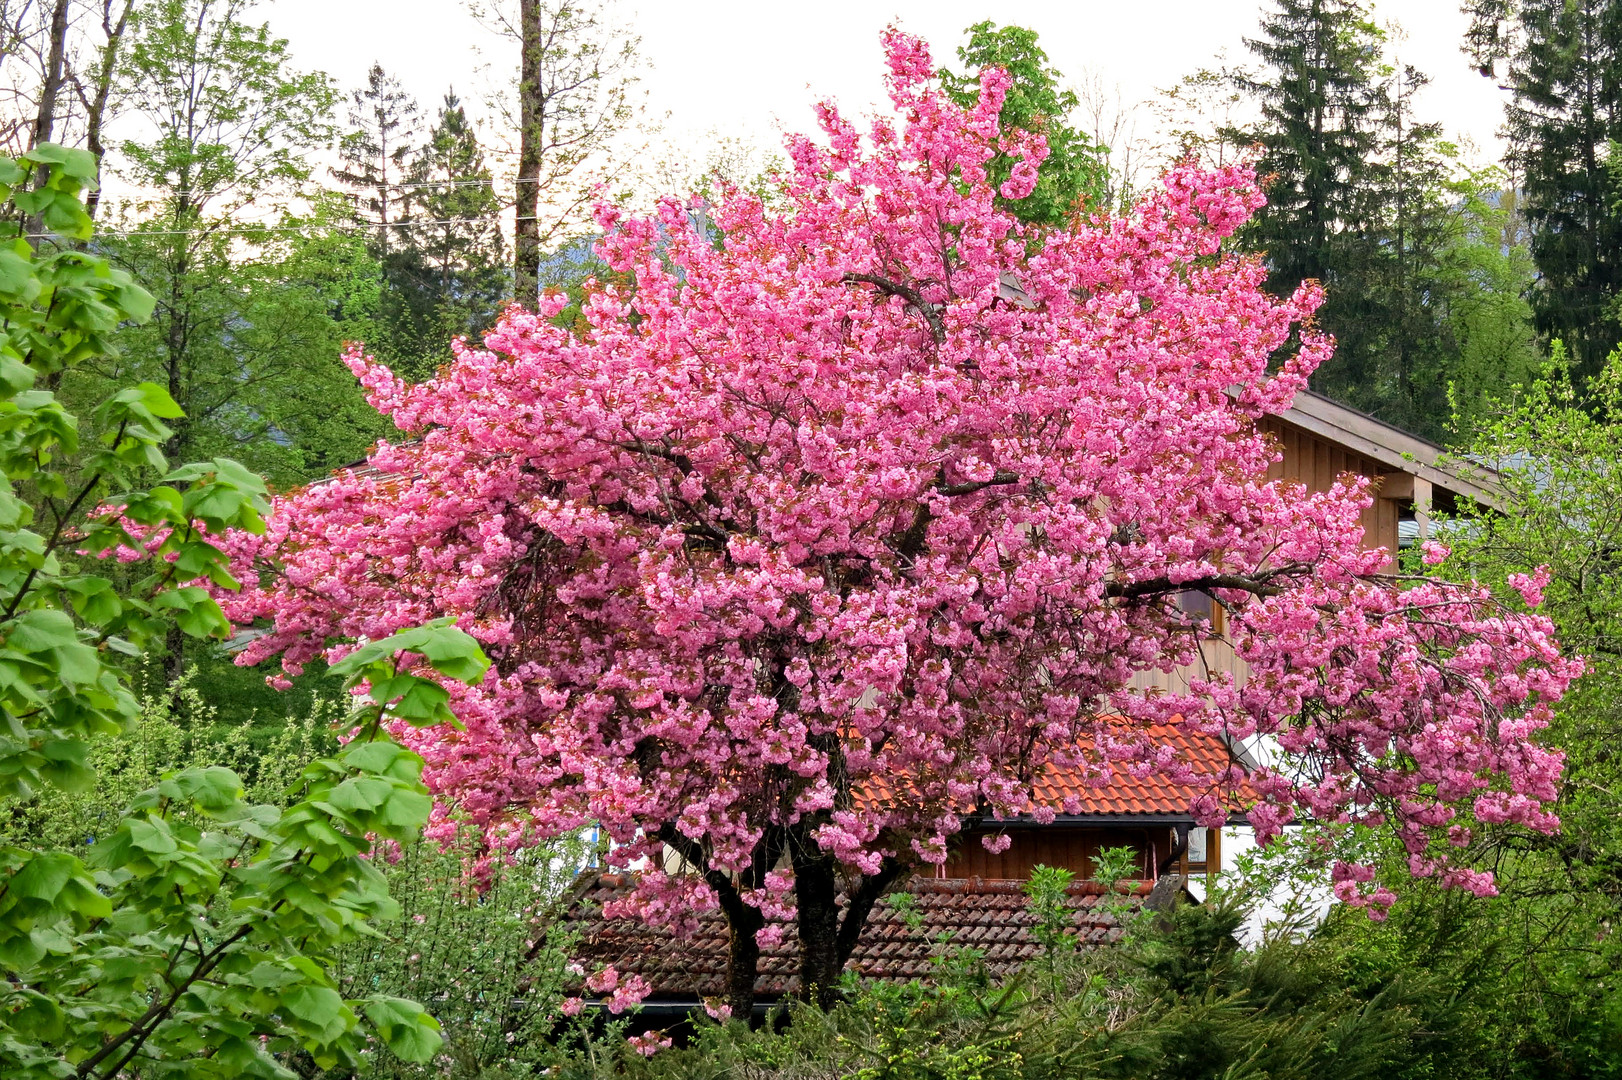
{"x":228,"y":118}
{"x":475,"y":943}
{"x":254,"y":303}
{"x":1048,"y":889}
{"x":445,"y":272}
{"x":1074,"y":177}
{"x":1488,"y":273}
{"x":196,"y":935}
{"x":1548,"y":938}
{"x":1177,"y":1000}
{"x":1366,"y":198}
{"x":1563,"y":61}
{"x":1320,"y":97}
{"x":177,"y":728}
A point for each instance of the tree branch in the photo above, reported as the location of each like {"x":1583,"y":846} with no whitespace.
{"x":914,"y":299}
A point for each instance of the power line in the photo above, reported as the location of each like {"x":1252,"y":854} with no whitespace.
{"x":354,"y":226}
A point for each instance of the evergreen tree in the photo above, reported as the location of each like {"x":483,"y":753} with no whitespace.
{"x":1075,"y":174}
{"x":447,"y":275}
{"x":1370,"y":200}
{"x":1407,"y":346}
{"x":376,"y":152}
{"x":1564,"y":64}
{"x":1321,"y":97}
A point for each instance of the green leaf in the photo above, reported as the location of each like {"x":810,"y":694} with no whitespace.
{"x":67,"y":764}
{"x":19,"y":278}
{"x":406,"y":1028}
{"x":44,"y":876}
{"x":158,"y":402}
{"x":214,"y":788}
{"x":322,"y":1010}
{"x":42,"y":629}
{"x":445,"y":646}
{"x":423,"y":704}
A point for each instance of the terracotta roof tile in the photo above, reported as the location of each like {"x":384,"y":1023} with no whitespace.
{"x":988,"y":915}
{"x":1129,"y":796}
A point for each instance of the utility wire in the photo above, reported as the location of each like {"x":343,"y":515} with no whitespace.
{"x":354,"y":226}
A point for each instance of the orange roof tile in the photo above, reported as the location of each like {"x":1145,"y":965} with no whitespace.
{"x":1156,"y":795}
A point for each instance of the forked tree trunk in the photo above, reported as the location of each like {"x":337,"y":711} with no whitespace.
{"x":816,"y":898}
{"x":827,"y":936}
{"x":96,"y":111}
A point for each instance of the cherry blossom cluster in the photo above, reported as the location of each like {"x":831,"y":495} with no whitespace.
{"x":868,"y":487}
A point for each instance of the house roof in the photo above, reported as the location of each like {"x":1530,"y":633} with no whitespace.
{"x":1130,"y":796}
{"x":991,"y":916}
{"x":1131,"y":799}
{"x":1388,"y":445}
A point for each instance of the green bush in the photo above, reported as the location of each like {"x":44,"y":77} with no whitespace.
{"x":1178,"y":1000}
{"x":160,"y":741}
{"x":475,"y":944}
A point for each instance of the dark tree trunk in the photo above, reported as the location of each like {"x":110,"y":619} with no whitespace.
{"x":51,"y":90}
{"x":1169,"y":863}
{"x":743,"y":919}
{"x":827,"y":939}
{"x":816,"y":898}
{"x":743,"y":958}
{"x":531,"y":121}
{"x":174,"y":660}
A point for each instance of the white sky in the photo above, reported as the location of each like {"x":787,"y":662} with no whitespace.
{"x":751,"y":70}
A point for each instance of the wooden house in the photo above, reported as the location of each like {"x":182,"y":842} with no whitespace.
{"x":976,"y":895}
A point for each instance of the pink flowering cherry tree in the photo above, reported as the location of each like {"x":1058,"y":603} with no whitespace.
{"x":839,"y":525}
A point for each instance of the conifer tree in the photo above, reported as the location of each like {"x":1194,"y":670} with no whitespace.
{"x":376,"y":152}
{"x":448,"y":273}
{"x":1408,"y":338}
{"x":1321,"y":102}
{"x":1563,"y":59}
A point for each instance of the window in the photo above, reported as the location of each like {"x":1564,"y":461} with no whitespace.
{"x":1196,"y":845}
{"x":1201,"y":607}
{"x":1196,"y":854}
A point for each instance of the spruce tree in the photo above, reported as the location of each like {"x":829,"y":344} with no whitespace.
{"x":376,"y":152}
{"x":1564,"y":65}
{"x":1413,"y":352}
{"x":447,"y":274}
{"x":1321,"y":96}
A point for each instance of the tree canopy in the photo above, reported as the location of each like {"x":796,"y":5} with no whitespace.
{"x":824,"y":536}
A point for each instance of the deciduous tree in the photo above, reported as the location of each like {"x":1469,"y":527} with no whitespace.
{"x":834,"y":530}
{"x":198,"y":935}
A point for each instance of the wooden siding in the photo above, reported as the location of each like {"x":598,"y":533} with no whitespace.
{"x":1068,"y":846}
{"x":1316,"y":464}
{"x":1072,"y":848}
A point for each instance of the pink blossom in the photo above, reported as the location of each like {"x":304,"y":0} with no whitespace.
{"x":629,"y":994}
{"x":1531,"y":586}
{"x":809,"y":532}
{"x":650,"y":1043}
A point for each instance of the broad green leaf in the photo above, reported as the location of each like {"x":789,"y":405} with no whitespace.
{"x":407,"y":1029}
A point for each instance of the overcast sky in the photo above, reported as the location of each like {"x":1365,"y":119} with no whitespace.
{"x":752,"y":70}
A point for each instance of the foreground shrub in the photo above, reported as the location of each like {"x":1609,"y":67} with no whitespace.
{"x":1177,"y":1000}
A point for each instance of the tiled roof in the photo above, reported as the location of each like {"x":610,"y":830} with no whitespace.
{"x":988,"y":915}
{"x":1129,"y":796}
